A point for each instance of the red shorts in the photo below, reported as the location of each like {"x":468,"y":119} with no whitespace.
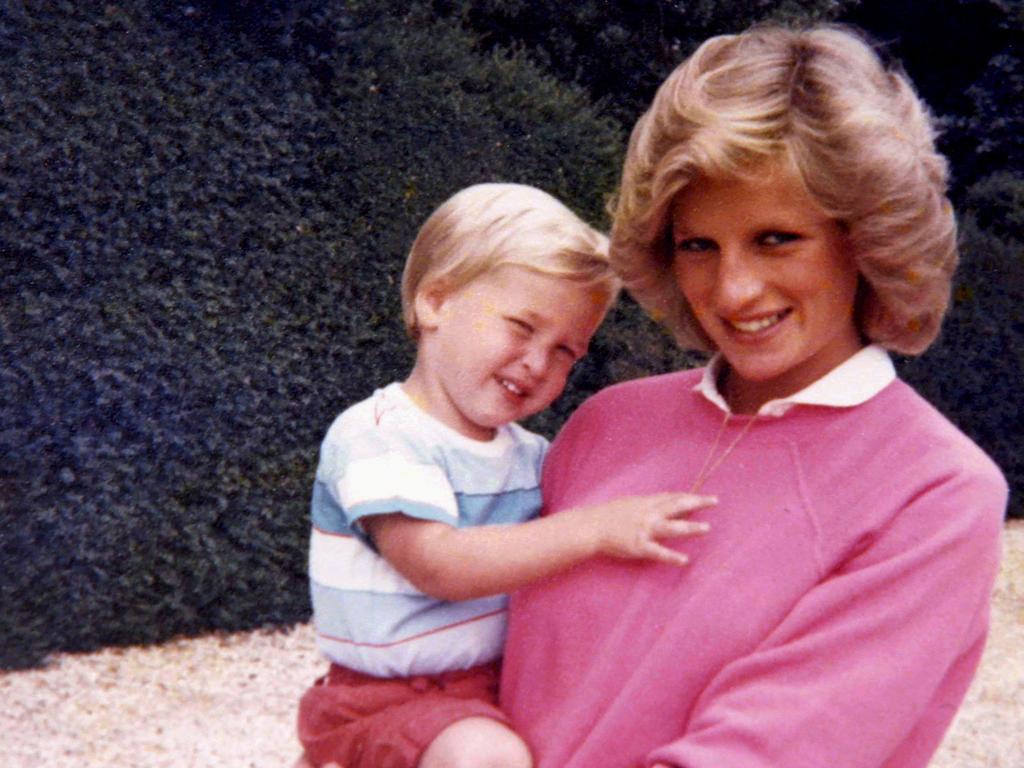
{"x":358,"y":721}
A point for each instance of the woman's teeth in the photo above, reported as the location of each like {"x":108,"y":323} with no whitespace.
{"x":753,"y":326}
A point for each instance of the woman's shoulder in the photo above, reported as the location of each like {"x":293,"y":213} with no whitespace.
{"x":914,"y":427}
{"x":902,"y":465}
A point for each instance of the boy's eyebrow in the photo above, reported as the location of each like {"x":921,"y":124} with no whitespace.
{"x":529,"y":315}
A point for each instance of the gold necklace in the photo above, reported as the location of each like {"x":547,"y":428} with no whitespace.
{"x":709,"y":467}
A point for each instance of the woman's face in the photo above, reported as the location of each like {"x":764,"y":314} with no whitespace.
{"x":768,"y":277}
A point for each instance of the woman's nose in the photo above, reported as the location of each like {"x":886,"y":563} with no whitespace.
{"x":739,"y":280}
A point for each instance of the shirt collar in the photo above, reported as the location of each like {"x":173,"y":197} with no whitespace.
{"x":851,"y":383}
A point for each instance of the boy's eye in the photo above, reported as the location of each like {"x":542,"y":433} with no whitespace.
{"x":569,"y":353}
{"x":520,"y":326}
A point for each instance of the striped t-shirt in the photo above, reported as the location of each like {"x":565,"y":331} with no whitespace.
{"x":386,"y":455}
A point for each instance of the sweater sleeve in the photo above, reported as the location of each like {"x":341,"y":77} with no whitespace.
{"x":868,"y":668}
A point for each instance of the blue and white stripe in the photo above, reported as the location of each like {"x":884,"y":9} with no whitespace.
{"x":385,"y":455}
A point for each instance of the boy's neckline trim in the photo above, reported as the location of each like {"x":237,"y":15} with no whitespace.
{"x":493,"y":447}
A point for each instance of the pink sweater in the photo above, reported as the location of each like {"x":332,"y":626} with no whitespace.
{"x":832,"y":618}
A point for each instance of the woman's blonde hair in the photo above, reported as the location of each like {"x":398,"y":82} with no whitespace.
{"x":821,"y":102}
{"x":486,"y":226}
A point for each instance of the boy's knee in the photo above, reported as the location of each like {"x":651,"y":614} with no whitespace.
{"x":477,"y":742}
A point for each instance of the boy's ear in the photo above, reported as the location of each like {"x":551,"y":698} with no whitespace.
{"x":429,"y":303}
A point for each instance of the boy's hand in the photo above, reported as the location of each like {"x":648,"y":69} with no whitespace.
{"x":633,"y":527}
{"x":464,"y":563}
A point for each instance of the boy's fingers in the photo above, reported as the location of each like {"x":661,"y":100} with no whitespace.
{"x":686,"y":503}
{"x":666,"y":555}
{"x":669,"y":528}
{"x":677,"y":500}
{"x":690,"y":501}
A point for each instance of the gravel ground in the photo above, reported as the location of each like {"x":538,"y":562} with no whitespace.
{"x":229,"y":700}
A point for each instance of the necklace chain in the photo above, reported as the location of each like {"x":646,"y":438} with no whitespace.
{"x":709,"y":465}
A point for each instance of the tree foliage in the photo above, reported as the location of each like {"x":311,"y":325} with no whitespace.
{"x":201,"y":241}
{"x":619,"y":51}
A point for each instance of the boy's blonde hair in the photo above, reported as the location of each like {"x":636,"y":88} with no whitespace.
{"x":820,"y":102}
{"x":486,"y":226}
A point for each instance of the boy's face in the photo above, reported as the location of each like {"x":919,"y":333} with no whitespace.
{"x":500,"y":348}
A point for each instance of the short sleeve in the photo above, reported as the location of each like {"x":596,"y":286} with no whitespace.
{"x":382,"y":471}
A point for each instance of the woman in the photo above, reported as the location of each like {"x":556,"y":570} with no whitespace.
{"x":782,"y":204}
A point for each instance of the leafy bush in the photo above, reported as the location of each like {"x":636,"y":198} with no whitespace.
{"x":620,"y":52}
{"x":973,"y":372}
{"x":201,"y":242}
{"x":204,"y":210}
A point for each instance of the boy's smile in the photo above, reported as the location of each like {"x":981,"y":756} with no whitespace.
{"x":500,"y":348}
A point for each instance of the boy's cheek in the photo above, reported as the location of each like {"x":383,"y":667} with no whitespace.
{"x":557,"y":389}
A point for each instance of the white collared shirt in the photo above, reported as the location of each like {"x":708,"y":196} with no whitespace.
{"x":851,"y":383}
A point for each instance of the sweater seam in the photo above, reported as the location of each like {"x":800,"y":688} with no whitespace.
{"x":810,"y":512}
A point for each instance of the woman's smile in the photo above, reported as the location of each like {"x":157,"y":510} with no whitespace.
{"x":766,"y":273}
{"x":758,"y":325}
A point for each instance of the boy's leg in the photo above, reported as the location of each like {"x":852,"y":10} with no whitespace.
{"x":303,"y":762}
{"x":359,"y":721}
{"x":477,"y":742}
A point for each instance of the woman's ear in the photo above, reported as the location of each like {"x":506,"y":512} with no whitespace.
{"x":429,"y":303}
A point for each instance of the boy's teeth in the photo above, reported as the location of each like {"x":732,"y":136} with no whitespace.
{"x":753,"y":326}
{"x":511,"y":387}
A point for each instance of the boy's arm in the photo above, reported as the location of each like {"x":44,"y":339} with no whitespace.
{"x":465,"y":563}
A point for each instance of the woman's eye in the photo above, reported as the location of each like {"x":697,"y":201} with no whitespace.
{"x":695,"y":245}
{"x":568,"y":353}
{"x":778,"y":238}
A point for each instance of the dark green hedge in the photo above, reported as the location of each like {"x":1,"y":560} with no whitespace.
{"x":204,"y":210}
{"x":200,"y":242}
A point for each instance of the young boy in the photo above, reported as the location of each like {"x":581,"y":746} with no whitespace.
{"x":412,"y":547}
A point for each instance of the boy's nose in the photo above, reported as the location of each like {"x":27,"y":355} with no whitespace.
{"x":536,"y":361}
